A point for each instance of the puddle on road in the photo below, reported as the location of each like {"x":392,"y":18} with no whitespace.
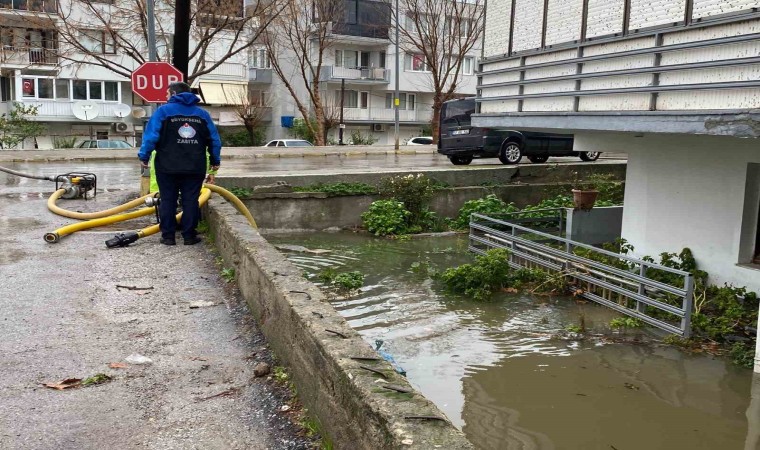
{"x":18,"y":222}
{"x":496,"y":371}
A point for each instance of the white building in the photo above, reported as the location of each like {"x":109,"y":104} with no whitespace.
{"x":362,"y":54}
{"x":672,"y":83}
{"x":40,"y":67}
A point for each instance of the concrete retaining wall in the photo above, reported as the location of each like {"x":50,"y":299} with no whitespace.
{"x":469,"y":176}
{"x":349,"y":402}
{"x":315,"y":211}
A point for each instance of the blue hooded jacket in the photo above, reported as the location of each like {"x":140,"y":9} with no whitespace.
{"x":182,"y":134}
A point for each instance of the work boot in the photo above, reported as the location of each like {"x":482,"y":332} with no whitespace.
{"x":192,"y":240}
{"x":166,"y":241}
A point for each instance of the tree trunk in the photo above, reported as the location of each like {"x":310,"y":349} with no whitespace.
{"x":319,"y":133}
{"x":435,"y":123}
{"x":250,"y":129}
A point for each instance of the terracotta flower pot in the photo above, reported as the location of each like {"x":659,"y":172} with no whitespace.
{"x":584,"y":200}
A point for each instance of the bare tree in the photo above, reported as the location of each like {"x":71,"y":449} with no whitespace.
{"x":114,"y":34}
{"x":436,"y":36}
{"x":297,"y":42}
{"x":251,"y":109}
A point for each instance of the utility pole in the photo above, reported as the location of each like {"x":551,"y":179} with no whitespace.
{"x":398,"y":75}
{"x":181,"y":51}
{"x":151,"y":30}
{"x":341,"y":125}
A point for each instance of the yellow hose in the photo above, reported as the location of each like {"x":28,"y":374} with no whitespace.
{"x":240,"y":206}
{"x":153,"y":229}
{"x":93,"y":215}
{"x":56,"y":235}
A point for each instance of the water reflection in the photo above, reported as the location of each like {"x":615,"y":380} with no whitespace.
{"x":499,"y":372}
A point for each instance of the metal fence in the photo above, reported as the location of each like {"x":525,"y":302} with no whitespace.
{"x":625,"y":284}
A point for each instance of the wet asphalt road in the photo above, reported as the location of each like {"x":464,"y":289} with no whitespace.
{"x":64,"y":316}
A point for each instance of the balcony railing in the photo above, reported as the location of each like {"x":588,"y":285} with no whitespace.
{"x":48,"y":6}
{"x":27,"y":56}
{"x":385,"y":114}
{"x":356,"y":74}
{"x":228,"y":70}
{"x":256,"y":75}
{"x":61,"y":110}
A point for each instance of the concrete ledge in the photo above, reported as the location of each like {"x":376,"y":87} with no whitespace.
{"x":349,"y":402}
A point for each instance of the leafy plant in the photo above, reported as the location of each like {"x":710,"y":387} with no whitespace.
{"x":414,"y":191}
{"x":242,"y":138}
{"x":357,"y":138}
{"x":386,"y":217}
{"x":480,"y":279}
{"x":327,"y":275}
{"x":491,"y":205}
{"x":349,"y":281}
{"x":300,"y":129}
{"x":241,"y":192}
{"x":575,"y":329}
{"x":98,"y":378}
{"x":743,"y":355}
{"x":15,"y":126}
{"x":65,"y":142}
{"x":337,"y":189}
{"x":280,"y":374}
{"x":626,"y":322}
{"x":228,"y":274}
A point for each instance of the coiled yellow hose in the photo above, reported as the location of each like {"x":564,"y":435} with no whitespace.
{"x":93,"y":215}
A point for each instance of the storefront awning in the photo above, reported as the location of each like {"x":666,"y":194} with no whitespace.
{"x":226,"y":93}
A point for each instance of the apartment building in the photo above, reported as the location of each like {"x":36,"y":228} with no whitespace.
{"x":360,"y":67}
{"x":39,"y":66}
{"x":672,"y":83}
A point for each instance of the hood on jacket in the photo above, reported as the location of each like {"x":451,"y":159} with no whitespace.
{"x":186,"y":98}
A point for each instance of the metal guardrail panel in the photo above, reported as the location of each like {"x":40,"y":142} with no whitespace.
{"x":629,"y":291}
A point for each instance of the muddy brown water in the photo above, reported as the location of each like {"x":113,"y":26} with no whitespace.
{"x":500,"y":371}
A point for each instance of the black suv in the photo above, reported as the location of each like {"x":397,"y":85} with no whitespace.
{"x":462,"y":142}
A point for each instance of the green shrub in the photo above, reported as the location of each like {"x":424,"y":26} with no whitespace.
{"x":357,"y":138}
{"x":65,"y":142}
{"x":743,"y":354}
{"x":386,"y":217}
{"x":337,"y":189}
{"x":626,"y":322}
{"x":489,"y":206}
{"x":240,"y":138}
{"x":241,"y":192}
{"x":300,"y":130}
{"x":479,"y":280}
{"x":413,"y":191}
{"x":349,"y":281}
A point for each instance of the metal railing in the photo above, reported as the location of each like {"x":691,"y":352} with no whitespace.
{"x":622,"y":283}
{"x":355,"y":74}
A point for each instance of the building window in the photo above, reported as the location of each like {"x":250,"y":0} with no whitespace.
{"x":405,"y":101}
{"x":259,"y":59}
{"x":45,"y":88}
{"x":349,"y":15}
{"x":96,"y":90}
{"x":468,"y":65}
{"x":79,"y":89}
{"x":111,"y":91}
{"x":5,"y":89}
{"x":97,"y":41}
{"x":37,"y":88}
{"x":29,"y":88}
{"x":415,"y":63}
{"x":62,"y":89}
{"x":347,"y":58}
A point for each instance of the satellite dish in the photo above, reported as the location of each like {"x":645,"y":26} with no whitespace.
{"x":121,"y":110}
{"x":85,"y":110}
{"x":138,"y":113}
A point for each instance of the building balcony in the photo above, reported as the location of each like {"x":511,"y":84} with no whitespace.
{"x":12,"y":57}
{"x":357,"y":75}
{"x":386,"y":115}
{"x":60,"y":111}
{"x":46,"y":6}
{"x":227,"y":71}
{"x":259,"y":76}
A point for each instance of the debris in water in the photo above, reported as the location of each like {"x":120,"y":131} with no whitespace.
{"x":632,"y":387}
{"x":118,"y":365}
{"x":96,"y":379}
{"x":201,"y":304}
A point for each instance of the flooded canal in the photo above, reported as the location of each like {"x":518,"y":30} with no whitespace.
{"x":502,"y":375}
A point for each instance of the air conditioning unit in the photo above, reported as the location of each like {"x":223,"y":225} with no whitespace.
{"x":378,"y":127}
{"x":121,"y":127}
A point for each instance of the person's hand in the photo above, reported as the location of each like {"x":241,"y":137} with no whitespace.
{"x":143,"y":165}
{"x":210,"y":179}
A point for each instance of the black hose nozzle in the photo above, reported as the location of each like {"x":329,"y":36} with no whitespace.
{"x":122,"y":239}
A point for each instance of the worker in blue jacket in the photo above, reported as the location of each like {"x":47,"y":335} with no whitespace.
{"x":185,"y":140}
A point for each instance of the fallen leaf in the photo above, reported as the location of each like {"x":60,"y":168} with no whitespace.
{"x":511,"y":290}
{"x":118,"y":365}
{"x":68,"y":383}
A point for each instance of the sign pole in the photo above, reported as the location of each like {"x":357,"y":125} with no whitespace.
{"x":151,"y":31}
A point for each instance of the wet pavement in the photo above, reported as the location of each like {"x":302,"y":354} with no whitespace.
{"x":72,"y":309}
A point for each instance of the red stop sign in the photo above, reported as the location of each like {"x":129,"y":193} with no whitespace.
{"x":151,"y":80}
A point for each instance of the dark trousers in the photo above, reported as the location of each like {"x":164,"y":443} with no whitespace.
{"x":170,"y":185}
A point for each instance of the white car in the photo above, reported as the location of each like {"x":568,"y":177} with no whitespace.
{"x":422,"y":140}
{"x":289,"y":143}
